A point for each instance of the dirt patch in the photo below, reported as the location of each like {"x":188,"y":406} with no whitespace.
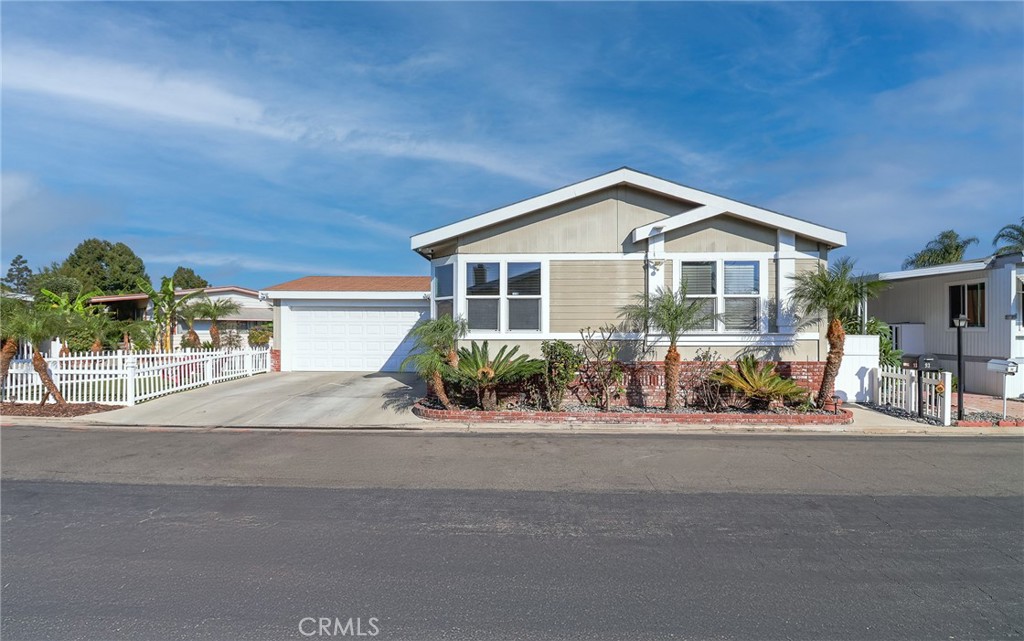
{"x":53,"y":410}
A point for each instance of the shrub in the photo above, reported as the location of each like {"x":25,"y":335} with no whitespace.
{"x":702,"y":387}
{"x":482,"y":374}
{"x":759,"y":383}
{"x":260,"y":336}
{"x":602,"y":375}
{"x":562,"y":364}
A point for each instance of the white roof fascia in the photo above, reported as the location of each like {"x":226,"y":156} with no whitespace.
{"x":346,"y":295}
{"x":938,"y":270}
{"x":650,"y":183}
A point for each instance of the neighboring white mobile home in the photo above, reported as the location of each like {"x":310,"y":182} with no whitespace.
{"x":920,"y":306}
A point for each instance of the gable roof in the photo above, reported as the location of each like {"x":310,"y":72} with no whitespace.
{"x":355,"y":284}
{"x":711,"y":205}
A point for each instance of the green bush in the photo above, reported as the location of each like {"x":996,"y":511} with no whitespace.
{"x":260,"y":336}
{"x":562,"y":364}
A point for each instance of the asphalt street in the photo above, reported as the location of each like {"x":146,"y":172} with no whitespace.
{"x":795,"y":552}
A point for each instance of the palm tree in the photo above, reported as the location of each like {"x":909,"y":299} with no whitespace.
{"x":39,"y":326}
{"x":72,"y":309}
{"x":12,"y":313}
{"x":166,"y":305}
{"x":1013,"y":236}
{"x":671,"y":314}
{"x":836,"y":292}
{"x":947,"y":247}
{"x":190,"y":312}
{"x":435,"y":350}
{"x":214,"y":310}
{"x":98,"y":326}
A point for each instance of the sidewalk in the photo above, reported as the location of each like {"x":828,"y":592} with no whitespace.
{"x":866,"y":422}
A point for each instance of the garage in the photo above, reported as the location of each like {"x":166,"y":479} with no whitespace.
{"x":347,"y":323}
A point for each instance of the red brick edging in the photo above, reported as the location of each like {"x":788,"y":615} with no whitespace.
{"x":654,"y":418}
{"x":1006,"y":423}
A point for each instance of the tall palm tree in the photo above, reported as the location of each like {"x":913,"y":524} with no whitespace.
{"x":1013,"y":237}
{"x":834,"y":292}
{"x":38,"y":326}
{"x":214,"y":310}
{"x":166,"y":305}
{"x":435,"y":349}
{"x":947,"y":247}
{"x":671,"y":314}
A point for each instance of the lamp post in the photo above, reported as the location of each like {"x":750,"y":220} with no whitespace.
{"x":960,"y":323}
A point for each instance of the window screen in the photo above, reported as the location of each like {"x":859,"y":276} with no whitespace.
{"x":483,"y":313}
{"x":444,"y":308}
{"x":699,"y":278}
{"x":740,"y":313}
{"x":524,"y":313}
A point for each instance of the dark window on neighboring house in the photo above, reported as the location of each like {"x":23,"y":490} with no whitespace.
{"x":967,"y":300}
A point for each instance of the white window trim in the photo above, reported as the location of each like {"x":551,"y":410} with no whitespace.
{"x":720,"y":296}
{"x":949,"y":312}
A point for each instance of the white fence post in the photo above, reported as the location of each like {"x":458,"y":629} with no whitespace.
{"x":208,"y":369}
{"x":250,"y":356}
{"x":131,"y":368}
{"x":910,"y":391}
{"x":946,"y":410}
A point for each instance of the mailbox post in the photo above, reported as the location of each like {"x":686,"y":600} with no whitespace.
{"x":1006,"y":368}
{"x":925,"y":362}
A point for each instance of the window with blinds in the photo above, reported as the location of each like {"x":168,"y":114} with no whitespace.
{"x":700,"y":282}
{"x":741,"y":295}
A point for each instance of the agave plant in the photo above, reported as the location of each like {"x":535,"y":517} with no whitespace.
{"x":758,"y":382}
{"x":477,"y":370}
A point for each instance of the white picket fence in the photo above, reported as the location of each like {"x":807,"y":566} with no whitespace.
{"x":898,"y":387}
{"x":127,"y":378}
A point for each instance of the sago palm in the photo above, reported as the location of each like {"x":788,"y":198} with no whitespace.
{"x":758,"y":382}
{"x":484,"y":374}
{"x":435,"y":351}
{"x":834,"y":293}
{"x":215,"y":310}
{"x":1012,"y":237}
{"x":671,"y":314}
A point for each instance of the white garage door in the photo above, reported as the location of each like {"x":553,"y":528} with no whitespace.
{"x":351,"y":339}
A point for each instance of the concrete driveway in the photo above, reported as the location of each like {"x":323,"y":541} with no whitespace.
{"x":283,"y":399}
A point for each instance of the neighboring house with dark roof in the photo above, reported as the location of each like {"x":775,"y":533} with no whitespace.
{"x":346,"y":323}
{"x":921,"y":304}
{"x":252,"y":311}
{"x":547,"y":267}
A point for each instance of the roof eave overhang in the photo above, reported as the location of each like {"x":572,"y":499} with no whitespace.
{"x":938,"y":270}
{"x":712,"y":205}
{"x":341,"y":295}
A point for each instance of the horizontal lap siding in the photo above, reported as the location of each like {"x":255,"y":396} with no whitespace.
{"x":590,"y":293}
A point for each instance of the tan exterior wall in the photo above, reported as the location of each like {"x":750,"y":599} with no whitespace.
{"x":591,"y":292}
{"x":804,"y":265}
{"x":806,"y":245}
{"x":771,"y":282}
{"x":601,"y":222}
{"x":669,"y":276}
{"x":722,"y":234}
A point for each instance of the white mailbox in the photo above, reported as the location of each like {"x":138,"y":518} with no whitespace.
{"x":1004,"y":367}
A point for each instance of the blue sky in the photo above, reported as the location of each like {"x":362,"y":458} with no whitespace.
{"x":260,"y":142}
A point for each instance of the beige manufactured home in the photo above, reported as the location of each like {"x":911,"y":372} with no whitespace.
{"x":547,"y":267}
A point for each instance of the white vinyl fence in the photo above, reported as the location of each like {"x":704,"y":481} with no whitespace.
{"x":127,"y":378}
{"x":898,"y":387}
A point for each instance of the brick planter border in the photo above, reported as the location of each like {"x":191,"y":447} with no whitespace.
{"x":844,"y":417}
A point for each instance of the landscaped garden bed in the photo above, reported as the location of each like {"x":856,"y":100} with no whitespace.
{"x":971,"y":419}
{"x":632,"y":415}
{"x":54,"y":410}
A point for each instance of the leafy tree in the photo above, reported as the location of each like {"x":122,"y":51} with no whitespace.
{"x":215,"y":310}
{"x":836,"y":292}
{"x":55,"y":282}
{"x":947,"y":247}
{"x":166,"y":305}
{"x":73,"y":310}
{"x":562,"y":363}
{"x":1012,"y":236}
{"x":187,"y":278}
{"x":18,"y":275}
{"x":671,"y":314}
{"x":484,"y":374}
{"x":110,"y":267}
{"x":435,"y":352}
